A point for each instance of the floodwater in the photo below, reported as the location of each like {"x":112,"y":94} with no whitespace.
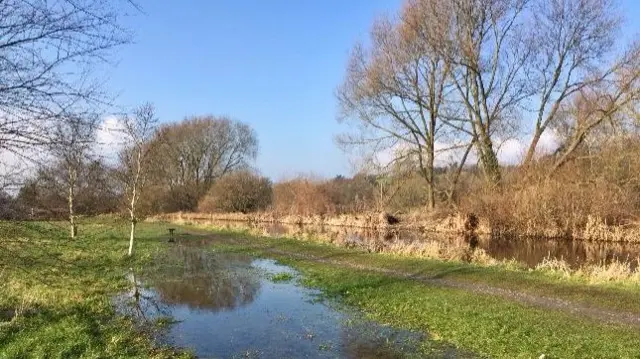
{"x":233,"y":306}
{"x":527,"y":251}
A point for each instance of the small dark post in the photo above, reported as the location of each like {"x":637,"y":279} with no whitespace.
{"x":171,"y":240}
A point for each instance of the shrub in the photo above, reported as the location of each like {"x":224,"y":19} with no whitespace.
{"x":240,"y":191}
{"x":302,"y":196}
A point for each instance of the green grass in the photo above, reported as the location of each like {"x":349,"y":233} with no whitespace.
{"x":281,"y":277}
{"x":483,"y":324}
{"x":62,"y":290}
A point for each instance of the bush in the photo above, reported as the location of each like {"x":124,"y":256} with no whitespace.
{"x":302,"y":196}
{"x":240,"y":191}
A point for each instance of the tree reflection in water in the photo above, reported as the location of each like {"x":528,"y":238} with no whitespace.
{"x":201,"y":280}
{"x":140,"y":303}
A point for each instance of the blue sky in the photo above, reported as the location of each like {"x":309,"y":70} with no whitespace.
{"x":273,"y":64}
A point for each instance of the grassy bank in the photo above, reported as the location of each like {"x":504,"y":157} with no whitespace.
{"x":489,"y":325}
{"x":55,"y":296}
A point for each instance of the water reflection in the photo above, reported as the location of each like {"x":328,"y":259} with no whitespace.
{"x":200,"y":281}
{"x":528,"y":251}
{"x":225,"y":306}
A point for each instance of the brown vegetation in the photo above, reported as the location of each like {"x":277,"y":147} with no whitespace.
{"x":240,"y":191}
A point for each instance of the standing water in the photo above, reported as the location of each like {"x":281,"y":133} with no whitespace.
{"x":527,"y":251}
{"x":232,"y":306}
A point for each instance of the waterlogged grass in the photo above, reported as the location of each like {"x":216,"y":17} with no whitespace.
{"x":483,"y":324}
{"x":618,"y":295}
{"x":487,"y":325}
{"x":55,"y":294}
{"x":281,"y":277}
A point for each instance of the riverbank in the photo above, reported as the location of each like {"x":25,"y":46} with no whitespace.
{"x":605,"y":265}
{"x":595,"y":229}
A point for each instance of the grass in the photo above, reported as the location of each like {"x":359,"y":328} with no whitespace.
{"x":57,"y":293}
{"x":483,"y":324}
{"x":55,"y":297}
{"x":281,"y":277}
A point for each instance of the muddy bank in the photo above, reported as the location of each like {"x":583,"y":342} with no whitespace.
{"x":595,"y":229}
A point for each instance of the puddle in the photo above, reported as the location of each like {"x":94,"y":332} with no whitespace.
{"x":230,"y":306}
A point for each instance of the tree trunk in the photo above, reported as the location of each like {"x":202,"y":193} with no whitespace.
{"x":488,"y":159}
{"x":431,"y":200}
{"x":133,"y":231}
{"x":72,"y":216}
{"x":532,"y":149}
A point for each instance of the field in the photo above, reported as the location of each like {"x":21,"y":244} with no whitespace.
{"x":56,"y":298}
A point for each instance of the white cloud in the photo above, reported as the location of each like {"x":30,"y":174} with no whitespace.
{"x":109,"y":138}
{"x":512,"y":151}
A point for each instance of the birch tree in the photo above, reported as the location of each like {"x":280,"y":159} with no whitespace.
{"x":138,"y":130}
{"x":72,"y":142}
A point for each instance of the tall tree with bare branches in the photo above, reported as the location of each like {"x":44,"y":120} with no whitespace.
{"x":395,"y":91}
{"x":609,"y":101}
{"x":573,"y":42}
{"x":191,"y":154}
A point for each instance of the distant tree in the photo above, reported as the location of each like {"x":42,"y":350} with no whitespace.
{"x":8,"y":207}
{"x":45,"y":194}
{"x":240,"y":191}
{"x":189,"y":156}
{"x":138,"y":129}
{"x":302,"y":195}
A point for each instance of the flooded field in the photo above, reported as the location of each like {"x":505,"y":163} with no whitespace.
{"x":232,"y":306}
{"x":528,"y":251}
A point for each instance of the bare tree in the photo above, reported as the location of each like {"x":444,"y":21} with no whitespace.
{"x":71,"y":146}
{"x":610,"y":101}
{"x":48,"y":50}
{"x":395,"y":92}
{"x":489,"y":53}
{"x":190,"y":155}
{"x":573,"y":40}
{"x":138,"y":129}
